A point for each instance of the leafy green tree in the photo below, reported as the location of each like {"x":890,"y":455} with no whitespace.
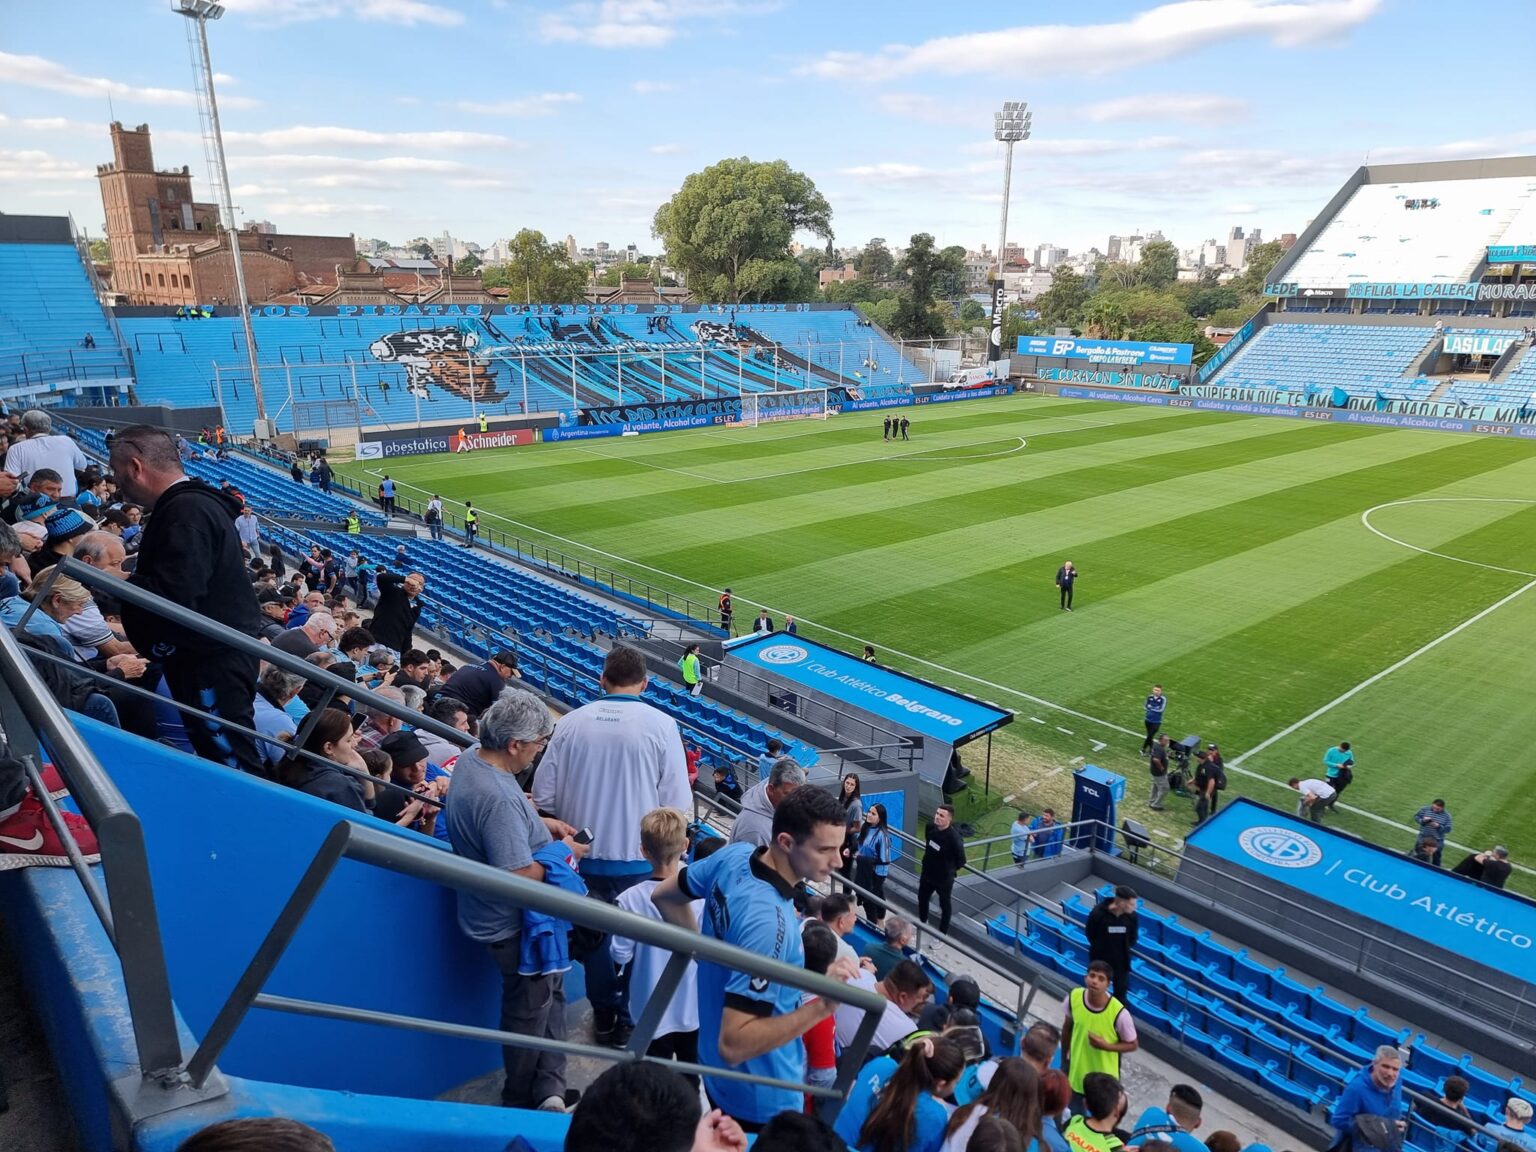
{"x":729,"y":227}
{"x":1061,"y":305}
{"x":876,"y":261}
{"x":1016,"y":324}
{"x":101,"y":251}
{"x":1250,"y":282}
{"x":1206,"y":300}
{"x":856,"y":291}
{"x":1104,"y":318}
{"x":468,"y":265}
{"x":423,"y":250}
{"x":611,"y":278}
{"x":949,"y":273}
{"x":1159,"y":265}
{"x":538,"y":272}
{"x":1233,"y":317}
{"x":915,"y":318}
{"x":881,"y":312}
{"x":972,"y":314}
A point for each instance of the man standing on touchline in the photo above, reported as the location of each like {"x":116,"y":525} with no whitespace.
{"x":1156,"y":702}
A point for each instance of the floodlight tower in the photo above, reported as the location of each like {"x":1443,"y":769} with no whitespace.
{"x":1011,"y":126}
{"x":199,"y":12}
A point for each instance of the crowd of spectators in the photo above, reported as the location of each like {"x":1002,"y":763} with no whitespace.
{"x":595,"y":805}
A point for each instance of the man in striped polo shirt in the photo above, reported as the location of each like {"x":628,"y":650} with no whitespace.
{"x":1156,"y":702}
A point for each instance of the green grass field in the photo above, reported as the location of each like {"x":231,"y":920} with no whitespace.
{"x":1226,"y":557}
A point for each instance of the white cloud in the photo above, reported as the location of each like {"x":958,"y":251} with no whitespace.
{"x":639,"y":23}
{"x":404,"y":12}
{"x":1508,"y":144}
{"x":483,"y":183}
{"x":331,"y":136}
{"x":323,"y":208}
{"x":928,"y":109}
{"x":891,"y":172}
{"x":665,"y":149}
{"x":525,"y":107}
{"x":650,"y":87}
{"x":29,"y":165}
{"x":341,"y":165}
{"x":1195,"y":108}
{"x":1160,"y":33}
{"x":37,"y":72}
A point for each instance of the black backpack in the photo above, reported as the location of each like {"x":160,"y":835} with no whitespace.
{"x":1219,"y":771}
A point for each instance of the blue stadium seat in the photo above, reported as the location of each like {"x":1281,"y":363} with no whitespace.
{"x":1214,"y":955}
{"x":1484,"y":1091}
{"x":1329,"y":1013}
{"x":1429,"y":1062}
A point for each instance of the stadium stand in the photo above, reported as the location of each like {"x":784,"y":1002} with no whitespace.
{"x":48,"y":307}
{"x":1308,"y":358}
{"x":1415,"y":231}
{"x":402,"y":370}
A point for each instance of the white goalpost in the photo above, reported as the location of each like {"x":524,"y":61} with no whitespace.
{"x":768,"y":407}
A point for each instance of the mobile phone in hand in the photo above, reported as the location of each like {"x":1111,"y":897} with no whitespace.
{"x":583,"y":837}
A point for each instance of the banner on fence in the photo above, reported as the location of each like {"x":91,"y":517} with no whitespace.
{"x":387,"y":447}
{"x":1124,"y":352}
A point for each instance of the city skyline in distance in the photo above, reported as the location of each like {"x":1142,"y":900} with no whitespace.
{"x":1184,"y":118}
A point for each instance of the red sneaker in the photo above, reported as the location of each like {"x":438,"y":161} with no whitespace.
{"x":53,"y":782}
{"x":27,"y":839}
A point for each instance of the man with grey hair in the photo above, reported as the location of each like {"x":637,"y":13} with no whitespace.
{"x":274,"y":691}
{"x":89,"y":631}
{"x":491,"y":822}
{"x":1374,"y":1090}
{"x":755,"y":824}
{"x":1491,"y":867}
{"x":891,"y":951}
{"x":318,"y":631}
{"x":377,"y":724}
{"x":43,"y":449}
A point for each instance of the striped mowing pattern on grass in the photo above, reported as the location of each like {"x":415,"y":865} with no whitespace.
{"x":1223,"y":556}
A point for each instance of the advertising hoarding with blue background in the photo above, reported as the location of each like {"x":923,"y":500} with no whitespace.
{"x":1512,"y":253}
{"x":949,"y":717}
{"x":1492,"y":927}
{"x":1127,"y":353}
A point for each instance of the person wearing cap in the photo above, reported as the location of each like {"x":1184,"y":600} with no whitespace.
{"x":41,"y":497}
{"x":1516,"y":1128}
{"x":408,"y":758}
{"x":963,"y":992}
{"x":64,"y":526}
{"x":274,"y":604}
{"x":478,"y":685}
{"x":44,"y":449}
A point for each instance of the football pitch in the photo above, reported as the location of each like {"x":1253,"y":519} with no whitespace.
{"x":1291,"y":584}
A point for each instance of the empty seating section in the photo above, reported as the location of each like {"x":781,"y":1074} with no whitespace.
{"x":1518,"y":385}
{"x":550,"y":626}
{"x":1377,"y":238}
{"x":1295,"y":1041}
{"x":47,"y":308}
{"x":401,"y":371}
{"x":1309,"y":358}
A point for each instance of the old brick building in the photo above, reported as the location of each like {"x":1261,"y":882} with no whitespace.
{"x":167,"y":248}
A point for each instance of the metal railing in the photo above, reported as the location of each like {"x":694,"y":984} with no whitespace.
{"x":127,"y":908}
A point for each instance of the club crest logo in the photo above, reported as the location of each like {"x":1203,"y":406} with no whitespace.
{"x":783,"y":654}
{"x":1280,"y":847}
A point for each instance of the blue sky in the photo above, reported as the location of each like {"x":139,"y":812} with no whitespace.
{"x":398,"y":118}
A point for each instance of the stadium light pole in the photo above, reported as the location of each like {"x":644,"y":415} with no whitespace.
{"x":1010,"y":126}
{"x":200,"y":12}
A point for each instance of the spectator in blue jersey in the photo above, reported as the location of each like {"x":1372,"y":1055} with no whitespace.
{"x":899,"y":1107}
{"x":387,"y":495}
{"x":1434,"y":821}
{"x":1175,"y":1124}
{"x":1372,"y":1102}
{"x":1046,"y":834}
{"x":1156,"y":702}
{"x":1516,"y":1126}
{"x":749,"y":895}
{"x":1066,"y":579}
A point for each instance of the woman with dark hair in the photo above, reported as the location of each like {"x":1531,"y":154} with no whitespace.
{"x":994,"y":1134}
{"x":1012,"y":1095}
{"x":872,"y":862}
{"x":332,"y":738}
{"x":908,"y":1115}
{"x":275,"y":561}
{"x":852,"y":799}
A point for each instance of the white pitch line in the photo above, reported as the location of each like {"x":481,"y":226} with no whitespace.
{"x":1037,"y":720}
{"x":1068,"y":731}
{"x":1099,"y":745}
{"x":1077,"y":760}
{"x":1365,"y":518}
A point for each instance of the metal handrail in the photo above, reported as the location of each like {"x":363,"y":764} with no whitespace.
{"x":1310,"y":912}
{"x":127,"y":911}
{"x":434,"y":865}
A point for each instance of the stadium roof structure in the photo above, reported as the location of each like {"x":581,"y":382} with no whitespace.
{"x":1430,"y":223}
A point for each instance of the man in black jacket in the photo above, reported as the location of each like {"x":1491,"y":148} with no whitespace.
{"x":394,"y":616}
{"x":943,"y":856}
{"x":1111,"y":930}
{"x":189,"y":554}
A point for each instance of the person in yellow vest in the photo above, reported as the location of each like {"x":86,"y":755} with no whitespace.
{"x":1097,"y":1031}
{"x":471,"y":524}
{"x":463,"y":438}
{"x":485,"y":425}
{"x":693,"y":675}
{"x":354,"y":525}
{"x":1104,"y":1104}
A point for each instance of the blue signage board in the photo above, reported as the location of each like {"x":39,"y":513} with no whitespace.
{"x":1512,"y":253}
{"x":1411,"y":291}
{"x":1484,"y":924}
{"x":1127,"y":353}
{"x":938,"y":713}
{"x":581,"y":432}
{"x":1520,"y":431}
